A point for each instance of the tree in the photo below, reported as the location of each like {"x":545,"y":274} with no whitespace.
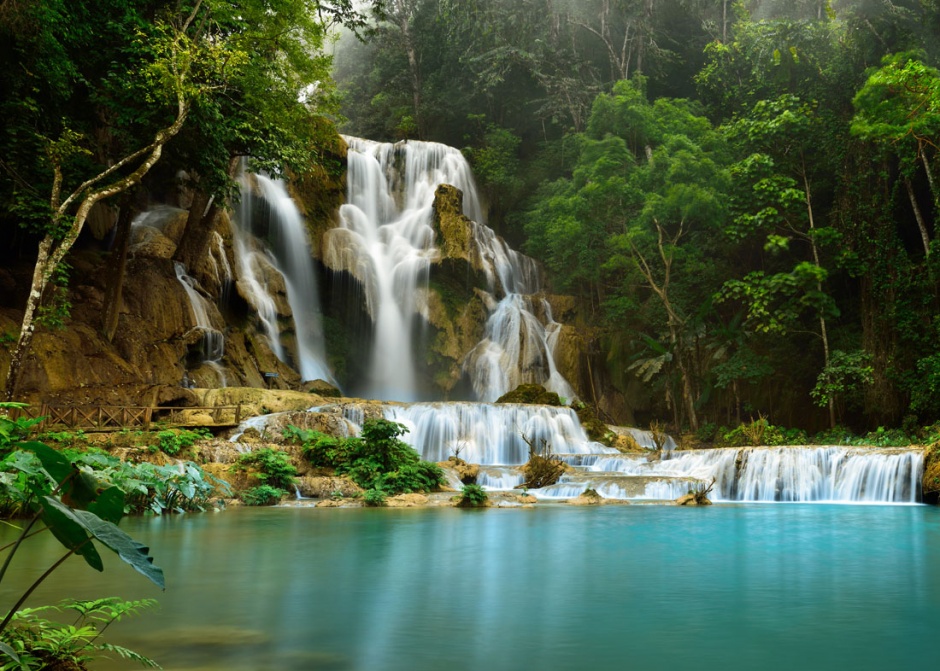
{"x":789,"y":139}
{"x":181,"y":68}
{"x":899,"y":107}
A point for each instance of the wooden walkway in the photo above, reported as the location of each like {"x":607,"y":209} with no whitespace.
{"x":116,"y":417}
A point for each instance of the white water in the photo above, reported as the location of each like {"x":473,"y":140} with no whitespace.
{"x":289,"y":255}
{"x":213,"y":341}
{"x":288,"y":236}
{"x":254,"y":266}
{"x":795,"y":474}
{"x":491,"y":434}
{"x":386,"y":241}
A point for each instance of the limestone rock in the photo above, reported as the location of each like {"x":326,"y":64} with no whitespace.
{"x":692,"y":499}
{"x":452,"y":227}
{"x":411,"y":500}
{"x":467,"y":472}
{"x":152,"y":243}
{"x":588,"y":498}
{"x":325,"y":487}
{"x":530,"y":394}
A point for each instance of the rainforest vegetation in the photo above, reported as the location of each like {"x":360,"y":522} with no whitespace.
{"x":741,"y":195}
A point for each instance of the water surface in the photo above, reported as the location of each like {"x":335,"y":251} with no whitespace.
{"x":622,"y":587}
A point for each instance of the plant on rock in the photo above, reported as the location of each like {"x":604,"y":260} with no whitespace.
{"x":378,"y":459}
{"x":274,"y":470}
{"x":472,"y":496}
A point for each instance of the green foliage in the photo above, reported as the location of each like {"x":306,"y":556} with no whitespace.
{"x":14,"y":430}
{"x":374,"y":497}
{"x":273,"y":467}
{"x":760,"y":432}
{"x":263,"y":495}
{"x":319,"y":448}
{"x":43,"y":644}
{"x":472,"y":496}
{"x":172,"y":441}
{"x":146,"y":487}
{"x":377,"y":459}
{"x":78,"y":510}
{"x":846,"y":373}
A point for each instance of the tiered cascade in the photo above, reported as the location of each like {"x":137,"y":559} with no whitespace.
{"x":386,"y":241}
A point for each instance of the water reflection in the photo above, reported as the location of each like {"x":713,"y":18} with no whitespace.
{"x":730,"y":587}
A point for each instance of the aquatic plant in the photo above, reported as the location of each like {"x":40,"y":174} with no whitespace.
{"x":374,"y":497}
{"x":272,"y":467}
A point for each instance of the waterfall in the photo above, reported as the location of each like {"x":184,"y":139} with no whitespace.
{"x":213,"y":341}
{"x":385,"y":240}
{"x":795,"y":474}
{"x":289,"y":241}
{"x":497,"y":437}
{"x":283,"y":255}
{"x":487,"y":434}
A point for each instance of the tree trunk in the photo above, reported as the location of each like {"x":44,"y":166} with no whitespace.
{"x":28,"y":326}
{"x":918,"y":216}
{"x":823,"y":331}
{"x":51,"y":252}
{"x":930,"y":180}
{"x":118,"y":258}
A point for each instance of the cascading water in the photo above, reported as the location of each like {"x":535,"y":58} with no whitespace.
{"x":492,"y":434}
{"x":289,"y":257}
{"x":213,"y":341}
{"x":495,"y":436}
{"x":386,"y":241}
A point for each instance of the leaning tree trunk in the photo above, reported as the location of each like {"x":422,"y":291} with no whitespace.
{"x":53,"y":251}
{"x":918,"y":216}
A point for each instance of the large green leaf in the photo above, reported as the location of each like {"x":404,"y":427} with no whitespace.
{"x":134,"y":553}
{"x":69,"y":531}
{"x":109,"y":505}
{"x":54,"y":462}
{"x":79,"y":489}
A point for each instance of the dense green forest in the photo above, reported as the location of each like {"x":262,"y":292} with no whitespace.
{"x":741,"y":194}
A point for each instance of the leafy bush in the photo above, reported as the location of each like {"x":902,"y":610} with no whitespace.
{"x":838,"y":435}
{"x":883,"y":437}
{"x":182,"y":487}
{"x":263,"y":495}
{"x":377,"y":459}
{"x":42,"y":644}
{"x":472,"y":496}
{"x":759,"y":432}
{"x":173,"y":441}
{"x":420,"y":477}
{"x":13,"y":430}
{"x":274,"y":467}
{"x":318,"y":448}
{"x":374,"y":497}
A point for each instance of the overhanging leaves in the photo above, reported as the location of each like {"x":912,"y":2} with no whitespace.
{"x":134,"y":553}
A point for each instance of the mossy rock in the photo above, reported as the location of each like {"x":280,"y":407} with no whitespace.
{"x":595,"y":428}
{"x":530,"y":394}
{"x":931,"y":480}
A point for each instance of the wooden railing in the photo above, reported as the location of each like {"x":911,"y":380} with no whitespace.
{"x":109,"y":417}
